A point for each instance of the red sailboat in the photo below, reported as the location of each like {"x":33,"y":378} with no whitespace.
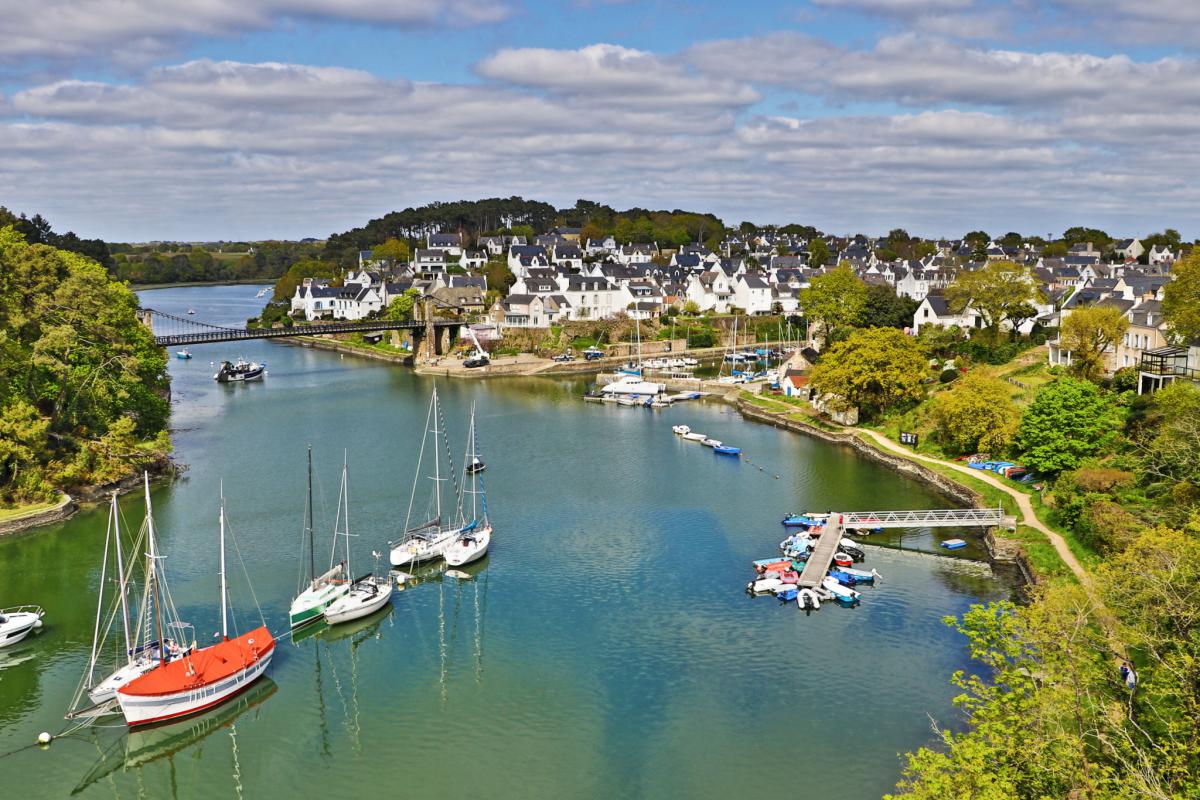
{"x":202,"y":678}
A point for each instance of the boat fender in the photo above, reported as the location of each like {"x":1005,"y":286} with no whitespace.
{"x":44,"y":738}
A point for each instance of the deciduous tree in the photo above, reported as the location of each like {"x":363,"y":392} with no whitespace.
{"x":1069,"y":420}
{"x":976,"y":415}
{"x":834,"y":300}
{"x":1088,"y":333}
{"x":998,"y":291}
{"x":1181,"y":299}
{"x":873,"y":369}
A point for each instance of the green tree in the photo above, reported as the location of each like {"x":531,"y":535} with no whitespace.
{"x":691,"y":308}
{"x":401,"y":309}
{"x":1181,"y":299}
{"x":886,"y":309}
{"x":1088,"y":333}
{"x":1168,"y":449}
{"x":1068,"y":421}
{"x":835,"y":300}
{"x":818,"y":253}
{"x":998,"y":291}
{"x":873,"y":369}
{"x":393,"y":250}
{"x":976,"y":415}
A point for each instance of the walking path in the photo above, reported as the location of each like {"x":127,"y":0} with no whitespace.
{"x":1024,"y":504}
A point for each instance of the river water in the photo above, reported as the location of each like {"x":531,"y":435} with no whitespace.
{"x":606,"y":647}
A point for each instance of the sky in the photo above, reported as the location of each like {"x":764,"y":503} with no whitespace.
{"x":136,"y":120}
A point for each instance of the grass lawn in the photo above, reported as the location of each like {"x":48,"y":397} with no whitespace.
{"x":9,"y":512}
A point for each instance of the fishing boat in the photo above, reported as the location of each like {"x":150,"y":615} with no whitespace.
{"x":427,"y":541}
{"x":318,"y":590}
{"x":18,"y":622}
{"x":473,"y":540}
{"x":367,"y":594}
{"x":141,"y":651}
{"x":726,"y":450}
{"x":239,"y":371}
{"x":680,"y":430}
{"x":201,"y":678}
{"x":183,"y":354}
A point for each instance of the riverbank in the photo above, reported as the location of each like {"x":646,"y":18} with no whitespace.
{"x":15,"y":520}
{"x":138,"y":287}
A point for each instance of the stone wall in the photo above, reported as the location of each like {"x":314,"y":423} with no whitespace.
{"x":59,"y":512}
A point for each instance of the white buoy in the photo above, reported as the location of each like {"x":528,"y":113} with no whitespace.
{"x":44,"y":737}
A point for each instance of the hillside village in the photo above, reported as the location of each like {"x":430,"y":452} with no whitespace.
{"x":559,"y":277}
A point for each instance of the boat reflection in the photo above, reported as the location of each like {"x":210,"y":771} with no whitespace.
{"x":147,"y":745}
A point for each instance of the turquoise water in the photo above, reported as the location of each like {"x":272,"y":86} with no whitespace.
{"x":606,"y":648}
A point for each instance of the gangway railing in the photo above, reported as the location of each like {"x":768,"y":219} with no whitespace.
{"x":935,"y":518}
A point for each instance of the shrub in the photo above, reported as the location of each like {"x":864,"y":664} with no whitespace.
{"x":948,"y":376}
{"x":1103,"y":479}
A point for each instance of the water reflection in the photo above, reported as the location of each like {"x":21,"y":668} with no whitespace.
{"x":140,"y":748}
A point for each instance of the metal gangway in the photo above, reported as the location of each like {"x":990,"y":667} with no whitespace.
{"x":821,"y":557}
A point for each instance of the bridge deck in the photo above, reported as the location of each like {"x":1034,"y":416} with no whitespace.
{"x":204,"y":334}
{"x":936,"y":518}
{"x":821,"y":557}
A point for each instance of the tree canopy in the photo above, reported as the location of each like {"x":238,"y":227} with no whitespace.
{"x":886,"y":309}
{"x":1088,"y":333}
{"x":1181,"y":299}
{"x":999,"y":290}
{"x":1068,"y":421}
{"x":834,"y":301}
{"x":977,"y":414}
{"x":83,"y":395}
{"x":873,"y":369}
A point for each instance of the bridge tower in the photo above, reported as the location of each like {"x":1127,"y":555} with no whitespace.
{"x":146,"y":317}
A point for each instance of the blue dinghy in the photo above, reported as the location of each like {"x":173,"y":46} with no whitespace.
{"x":726,"y":450}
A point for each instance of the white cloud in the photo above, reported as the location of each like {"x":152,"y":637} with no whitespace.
{"x":136,"y":30}
{"x":897,"y":7}
{"x":606,"y":71}
{"x":919,"y":70}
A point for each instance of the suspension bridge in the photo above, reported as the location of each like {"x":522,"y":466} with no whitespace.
{"x":171,"y":330}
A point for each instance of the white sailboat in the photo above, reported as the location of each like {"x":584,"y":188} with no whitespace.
{"x":367,"y":594}
{"x":473,"y":540}
{"x":427,"y":541}
{"x":322,"y":589}
{"x":142,"y":651}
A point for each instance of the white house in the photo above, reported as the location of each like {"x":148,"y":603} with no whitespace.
{"x":450,"y":243}
{"x":314,"y":298}
{"x":356,"y":301}
{"x":752,"y":294}
{"x":934,"y":310}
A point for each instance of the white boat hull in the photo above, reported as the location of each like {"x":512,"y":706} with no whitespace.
{"x":106,"y":689}
{"x":468,"y":548}
{"x":17,"y":626}
{"x":143,"y":710}
{"x":310,"y":603}
{"x":415,"y":551}
{"x":359,"y":602}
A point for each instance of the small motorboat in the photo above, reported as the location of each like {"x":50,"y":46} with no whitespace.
{"x":476,"y":466}
{"x":843,"y":578}
{"x":183,"y":354}
{"x":841,"y":594}
{"x":240,"y":371}
{"x":726,"y":450}
{"x":808,"y":598}
{"x":861,"y":575}
{"x":191,"y":311}
{"x":842,"y":559}
{"x":18,"y":622}
{"x":772,"y":565}
{"x":366,"y":596}
{"x":851,"y":547}
{"x":710,"y":442}
{"x":693,"y":436}
{"x":458,"y":574}
{"x":471,"y":545}
{"x":763,"y":585}
{"x":803,"y":520}
{"x":681,"y":430}
{"x":954,"y":544}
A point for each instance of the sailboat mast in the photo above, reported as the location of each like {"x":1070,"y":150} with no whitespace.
{"x":152,"y":577}
{"x":116,"y":528}
{"x":312,"y":560}
{"x":437,"y":458}
{"x":224,"y":585}
{"x":474,"y":471}
{"x":100,"y":601}
{"x":345,"y":501}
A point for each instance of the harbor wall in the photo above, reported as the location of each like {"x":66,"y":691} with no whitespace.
{"x":45,"y":516}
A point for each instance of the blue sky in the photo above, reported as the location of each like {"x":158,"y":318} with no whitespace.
{"x":156,"y":119}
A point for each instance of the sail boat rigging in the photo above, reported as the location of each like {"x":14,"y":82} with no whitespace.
{"x":200,"y":678}
{"x":473,"y":540}
{"x":323,"y":589}
{"x":367,"y":594}
{"x":428,"y":541}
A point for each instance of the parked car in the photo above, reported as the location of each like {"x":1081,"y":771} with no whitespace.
{"x":562,"y":358}
{"x":591,"y":354}
{"x":476,"y":361}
